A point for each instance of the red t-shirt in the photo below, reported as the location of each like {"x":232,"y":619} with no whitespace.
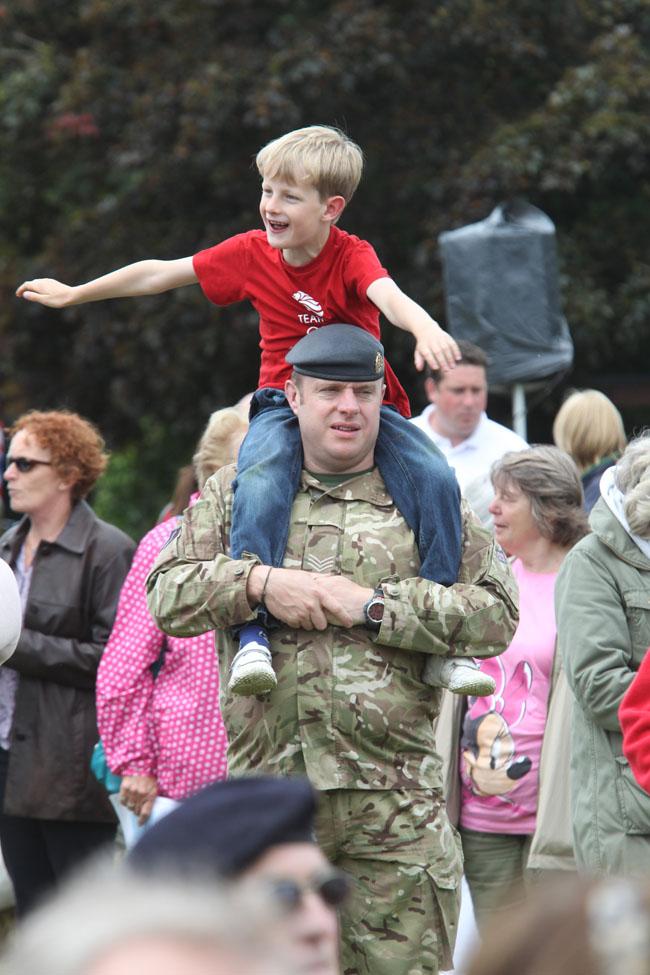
{"x":292,"y":300}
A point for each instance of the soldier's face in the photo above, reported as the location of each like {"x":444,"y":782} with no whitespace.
{"x":338,"y":422}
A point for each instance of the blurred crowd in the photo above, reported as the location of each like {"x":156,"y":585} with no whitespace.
{"x":128,"y":847}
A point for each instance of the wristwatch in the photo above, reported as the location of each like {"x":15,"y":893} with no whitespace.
{"x":373,"y":610}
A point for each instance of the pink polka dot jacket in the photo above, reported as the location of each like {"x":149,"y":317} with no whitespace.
{"x":170,"y":726}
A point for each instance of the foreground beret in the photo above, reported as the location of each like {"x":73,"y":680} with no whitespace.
{"x":344,"y":353}
{"x":228,"y":825}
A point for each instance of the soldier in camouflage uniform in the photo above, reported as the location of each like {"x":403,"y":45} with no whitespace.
{"x":350,"y":710}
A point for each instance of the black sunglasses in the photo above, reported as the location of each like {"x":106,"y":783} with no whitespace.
{"x":26,"y":464}
{"x":332,"y":887}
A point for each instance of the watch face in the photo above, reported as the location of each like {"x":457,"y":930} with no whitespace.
{"x":375,"y":610}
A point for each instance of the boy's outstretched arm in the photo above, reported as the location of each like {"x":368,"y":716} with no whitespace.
{"x":142,"y":278}
{"x":432,"y":345}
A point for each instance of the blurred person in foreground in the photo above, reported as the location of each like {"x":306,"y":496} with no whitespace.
{"x":257,"y":832}
{"x":358,"y":625}
{"x":10,"y":612}
{"x":590,"y":429}
{"x":158,"y":697}
{"x":574,"y":925}
{"x":106,"y":920}
{"x":69,"y":566}
{"x":603,"y":615}
{"x":507,"y":766}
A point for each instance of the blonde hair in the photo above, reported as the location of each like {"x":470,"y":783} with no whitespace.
{"x":550,"y":479}
{"x":320,"y":155}
{"x":215,"y":448}
{"x":632,"y":478}
{"x":589,"y":427}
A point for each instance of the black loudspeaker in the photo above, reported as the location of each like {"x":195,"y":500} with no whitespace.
{"x":502,"y":293}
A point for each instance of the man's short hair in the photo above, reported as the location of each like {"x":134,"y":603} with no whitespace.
{"x":320,"y":155}
{"x":470,"y":355}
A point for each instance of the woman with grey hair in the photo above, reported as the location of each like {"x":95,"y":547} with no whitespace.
{"x":603,"y":610}
{"x":504,"y":738}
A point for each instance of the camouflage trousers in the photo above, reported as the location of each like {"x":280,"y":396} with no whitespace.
{"x":405,"y":861}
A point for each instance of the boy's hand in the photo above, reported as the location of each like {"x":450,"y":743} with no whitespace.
{"x":46,"y":291}
{"x":432,"y":345}
{"x":435,"y":348}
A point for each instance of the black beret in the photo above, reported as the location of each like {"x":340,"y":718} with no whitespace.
{"x":344,"y":353}
{"x":228,"y":825}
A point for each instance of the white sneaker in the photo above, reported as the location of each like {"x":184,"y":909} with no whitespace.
{"x":251,"y":671}
{"x":460,"y":675}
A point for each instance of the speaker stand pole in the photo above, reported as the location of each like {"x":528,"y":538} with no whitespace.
{"x":519,"y":410}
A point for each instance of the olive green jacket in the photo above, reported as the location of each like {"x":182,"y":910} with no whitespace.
{"x":603,"y":619}
{"x":350,"y":709}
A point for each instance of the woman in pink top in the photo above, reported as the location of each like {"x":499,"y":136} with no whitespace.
{"x":164,"y":734}
{"x":538,"y":516}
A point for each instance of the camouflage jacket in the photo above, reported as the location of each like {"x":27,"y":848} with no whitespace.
{"x":350,"y":709}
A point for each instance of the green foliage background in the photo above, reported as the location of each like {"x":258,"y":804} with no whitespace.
{"x":128,"y":130}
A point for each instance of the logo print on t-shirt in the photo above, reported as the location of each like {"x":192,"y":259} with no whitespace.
{"x":316,"y":312}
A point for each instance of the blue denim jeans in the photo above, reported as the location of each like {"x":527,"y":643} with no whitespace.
{"x":416,"y":474}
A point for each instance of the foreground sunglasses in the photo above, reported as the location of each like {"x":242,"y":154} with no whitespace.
{"x":26,"y":464}
{"x":332,"y":887}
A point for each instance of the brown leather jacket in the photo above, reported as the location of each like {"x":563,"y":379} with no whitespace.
{"x":72,"y":600}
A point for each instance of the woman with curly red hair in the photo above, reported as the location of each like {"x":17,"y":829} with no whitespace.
{"x":69,"y":566}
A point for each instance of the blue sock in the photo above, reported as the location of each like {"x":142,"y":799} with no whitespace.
{"x":253,"y":633}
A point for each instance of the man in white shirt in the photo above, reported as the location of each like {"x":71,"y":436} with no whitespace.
{"x":456,"y":421}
